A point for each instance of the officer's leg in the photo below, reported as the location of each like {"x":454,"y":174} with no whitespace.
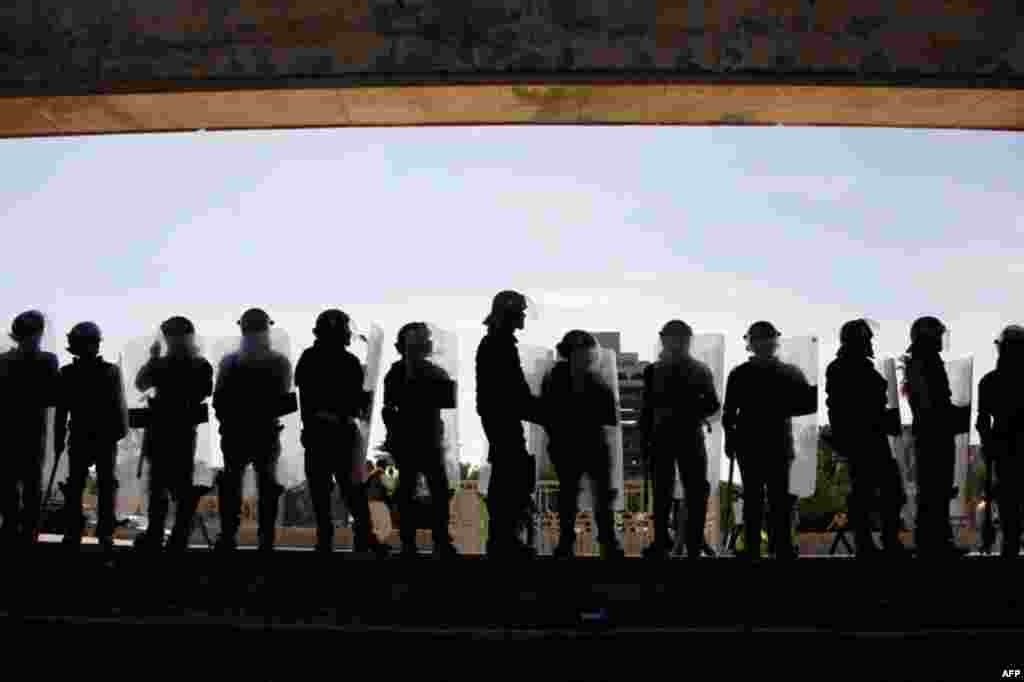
{"x":568,"y":504}
{"x":229,"y":494}
{"x":159,"y":485}
{"x":106,"y":482}
{"x":9,"y":503}
{"x":78,"y":465}
{"x":892,"y":500}
{"x":437,"y":482}
{"x":185,"y":498}
{"x":780,"y":508}
{"x":694,"y":472}
{"x":31,"y":495}
{"x":408,"y":478}
{"x":356,"y":502}
{"x":1009,"y":471}
{"x":270,"y":498}
{"x":664,"y":460}
{"x":599,"y":473}
{"x":752,"y":473}
{"x":318,"y":476}
{"x":858,"y":501}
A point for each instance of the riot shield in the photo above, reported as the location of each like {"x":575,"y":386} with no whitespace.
{"x":961,"y":383}
{"x":537,"y":362}
{"x":369,"y":348}
{"x":290,"y":468}
{"x":485,"y":478}
{"x":608,"y":371}
{"x":135,"y":355}
{"x":802,"y":351}
{"x":48,"y":345}
{"x":446,"y":356}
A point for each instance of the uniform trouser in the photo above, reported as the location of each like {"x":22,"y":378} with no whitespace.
{"x":766,"y":471}
{"x":570,"y":470}
{"x":508,"y":496}
{"x":82,"y":454}
{"x":876,"y":485}
{"x":410,"y":466}
{"x":24,"y":470}
{"x":936,"y":470}
{"x":241,"y":450}
{"x":172,"y":466}
{"x":1010,"y":471}
{"x":329,"y":456}
{"x":688,"y":454}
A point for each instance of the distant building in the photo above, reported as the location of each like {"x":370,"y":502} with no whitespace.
{"x":631,"y":387}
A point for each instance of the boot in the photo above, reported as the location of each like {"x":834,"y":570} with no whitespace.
{"x":445,"y":550}
{"x":565,"y":550}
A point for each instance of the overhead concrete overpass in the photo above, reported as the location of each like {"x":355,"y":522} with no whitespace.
{"x":113,"y":66}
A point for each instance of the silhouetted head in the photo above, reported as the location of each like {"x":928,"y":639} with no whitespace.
{"x":676,"y":337}
{"x":762,"y":339}
{"x":333,"y":326}
{"x":579,"y":349}
{"x":926,"y":335}
{"x":414,"y":341}
{"x":84,"y":340}
{"x":1011,"y":348}
{"x":179,"y":333}
{"x":255,"y":321}
{"x":27,"y":329}
{"x":508,"y":311}
{"x":855,"y":338}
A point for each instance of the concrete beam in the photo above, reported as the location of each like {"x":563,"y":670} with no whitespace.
{"x":148,"y":65}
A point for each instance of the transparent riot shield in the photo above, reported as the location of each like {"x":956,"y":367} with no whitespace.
{"x":48,"y":345}
{"x":961,"y":383}
{"x":290,"y":469}
{"x":537,"y":362}
{"x":802,"y":351}
{"x":608,"y":371}
{"x":446,"y":356}
{"x":369,"y":348}
{"x":898,"y":444}
{"x":134,"y":356}
{"x":485,"y":479}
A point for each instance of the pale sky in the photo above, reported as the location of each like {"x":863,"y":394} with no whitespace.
{"x":618,"y":228}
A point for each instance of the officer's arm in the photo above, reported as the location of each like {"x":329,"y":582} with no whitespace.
{"x":711,"y":404}
{"x":206,"y":381}
{"x":144,"y":377}
{"x":805,"y":396}
{"x":220,"y":391}
{"x":52,"y":395}
{"x":361,"y":397}
{"x":121,"y":402}
{"x":985,"y":416}
{"x":61,"y":420}
{"x":528,"y":405}
{"x":646,"y":409}
{"x":729,"y":412}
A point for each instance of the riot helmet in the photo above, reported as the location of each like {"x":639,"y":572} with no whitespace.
{"x":28,"y":324}
{"x":255,"y":321}
{"x":84,"y":338}
{"x":333,"y":324}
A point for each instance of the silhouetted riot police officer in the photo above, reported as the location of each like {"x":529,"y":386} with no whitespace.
{"x":415,"y":392}
{"x":92,"y":394}
{"x":252,"y":385}
{"x":332,"y":399}
{"x":1001,"y":427}
{"x":504,"y":401}
{"x":183,"y":380}
{"x":679,"y":395}
{"x":936,"y":423}
{"x":761,"y":397}
{"x":579,"y":406}
{"x":29,"y":382}
{"x":861,"y":423}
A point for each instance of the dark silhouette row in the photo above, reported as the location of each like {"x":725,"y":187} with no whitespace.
{"x":253,"y":391}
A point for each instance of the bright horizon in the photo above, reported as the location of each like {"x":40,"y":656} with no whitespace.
{"x":608,"y":229}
